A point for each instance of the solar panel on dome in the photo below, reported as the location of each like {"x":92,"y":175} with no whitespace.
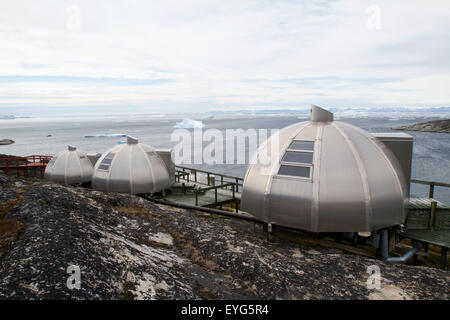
{"x":103,"y":167}
{"x":296,"y":171}
{"x":302,"y":145}
{"x":298,"y":157}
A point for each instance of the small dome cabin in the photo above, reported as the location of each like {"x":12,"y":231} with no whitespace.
{"x":329,"y":176}
{"x":70,"y":167}
{"x":131,"y":168}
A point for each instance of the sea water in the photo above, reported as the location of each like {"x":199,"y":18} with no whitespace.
{"x":96,"y":134}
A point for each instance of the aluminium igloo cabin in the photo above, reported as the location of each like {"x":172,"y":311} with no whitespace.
{"x":70,"y":167}
{"x":131,"y":168}
{"x":329,"y":176}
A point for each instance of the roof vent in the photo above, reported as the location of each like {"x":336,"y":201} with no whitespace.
{"x":132,"y":140}
{"x":319,"y":114}
{"x":71,"y":148}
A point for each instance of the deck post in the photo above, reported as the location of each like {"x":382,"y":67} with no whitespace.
{"x":431,"y":193}
{"x":196,"y":198}
{"x":215,"y":195}
{"x":207,"y":177}
{"x":195,"y":175}
{"x":432,"y":215}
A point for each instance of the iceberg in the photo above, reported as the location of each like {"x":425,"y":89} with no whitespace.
{"x":187,"y":123}
{"x":114,"y":135}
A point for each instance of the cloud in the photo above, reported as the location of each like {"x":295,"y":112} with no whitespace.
{"x":182,"y":55}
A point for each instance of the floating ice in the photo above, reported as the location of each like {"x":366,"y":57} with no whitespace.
{"x":187,"y":123}
{"x":113,"y":135}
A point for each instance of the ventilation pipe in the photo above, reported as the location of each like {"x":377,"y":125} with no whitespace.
{"x":385,"y":250}
{"x":319,"y":114}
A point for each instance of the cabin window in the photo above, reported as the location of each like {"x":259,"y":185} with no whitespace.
{"x":296,"y":171}
{"x":110,"y":155}
{"x":298,"y":157}
{"x":106,"y":162}
{"x":103,"y":167}
{"x":302,"y":145}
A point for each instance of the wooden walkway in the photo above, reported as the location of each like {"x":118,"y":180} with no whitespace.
{"x":200,"y":195}
{"x":205,"y":189}
{"x":419,"y":214}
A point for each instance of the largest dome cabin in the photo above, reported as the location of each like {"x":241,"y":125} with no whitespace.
{"x":330,"y":176}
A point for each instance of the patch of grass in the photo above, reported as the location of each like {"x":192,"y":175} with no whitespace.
{"x":128,"y":286}
{"x":133,"y":211}
{"x":186,"y":248}
{"x":9,"y":228}
{"x":203,"y":292}
{"x":9,"y":231}
{"x":7,"y":206}
{"x":139,"y":211}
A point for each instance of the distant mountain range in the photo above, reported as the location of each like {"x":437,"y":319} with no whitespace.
{"x":341,"y":110}
{"x":429,"y":126}
{"x":11,"y":117}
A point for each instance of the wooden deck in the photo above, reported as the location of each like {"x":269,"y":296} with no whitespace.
{"x":205,"y":189}
{"x":428,"y":222}
{"x":201,"y":195}
{"x":419,"y":213}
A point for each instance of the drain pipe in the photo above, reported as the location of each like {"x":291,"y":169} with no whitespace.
{"x":203,"y":209}
{"x":385,"y":250}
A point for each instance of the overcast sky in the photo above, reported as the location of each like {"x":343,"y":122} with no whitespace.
{"x":178,"y":56}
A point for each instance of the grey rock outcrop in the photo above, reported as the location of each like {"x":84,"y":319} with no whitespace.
{"x":129,"y":248}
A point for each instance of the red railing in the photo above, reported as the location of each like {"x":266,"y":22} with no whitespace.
{"x":34,"y":164}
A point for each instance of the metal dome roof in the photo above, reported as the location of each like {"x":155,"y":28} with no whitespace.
{"x":328,"y":176}
{"x":131,"y":168}
{"x":70,"y":167}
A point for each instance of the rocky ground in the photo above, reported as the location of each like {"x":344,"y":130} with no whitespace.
{"x":129,"y":248}
{"x":429,"y":126}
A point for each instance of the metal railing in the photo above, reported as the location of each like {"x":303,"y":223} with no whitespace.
{"x":432,"y":185}
{"x":233,"y":182}
{"x":33,"y":163}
